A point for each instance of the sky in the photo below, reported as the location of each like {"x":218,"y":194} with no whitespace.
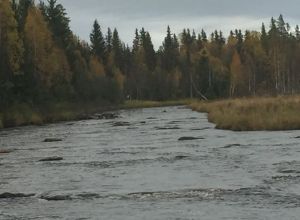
{"x":156,"y":15}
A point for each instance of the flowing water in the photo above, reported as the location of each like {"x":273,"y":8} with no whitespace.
{"x":134,"y":168}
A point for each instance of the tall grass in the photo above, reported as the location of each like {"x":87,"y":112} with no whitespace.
{"x":251,"y":114}
{"x":24,"y":114}
{"x":152,"y":104}
{"x":19,"y":114}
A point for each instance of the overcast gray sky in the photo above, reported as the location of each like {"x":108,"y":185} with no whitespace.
{"x":155,"y":15}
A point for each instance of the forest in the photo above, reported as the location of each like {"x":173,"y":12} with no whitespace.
{"x":42,"y":62}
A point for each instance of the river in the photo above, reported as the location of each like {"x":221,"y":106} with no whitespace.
{"x":138,"y":169}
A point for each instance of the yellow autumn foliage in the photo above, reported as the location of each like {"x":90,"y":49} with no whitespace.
{"x":11,"y":46}
{"x":96,"y":67}
{"x":120,"y":78}
{"x":49,"y":62}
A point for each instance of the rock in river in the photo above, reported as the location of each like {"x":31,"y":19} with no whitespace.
{"x":121,"y":124}
{"x":231,"y":145}
{"x":52,"y":140}
{"x":5,"y":151}
{"x":108,"y":115}
{"x":49,"y":159}
{"x":190,"y":138}
{"x":7,"y":195}
{"x":56,"y":197}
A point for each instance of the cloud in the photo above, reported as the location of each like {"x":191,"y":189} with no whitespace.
{"x":155,"y":15}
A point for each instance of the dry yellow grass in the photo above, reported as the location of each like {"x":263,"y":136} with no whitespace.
{"x":253,"y":114}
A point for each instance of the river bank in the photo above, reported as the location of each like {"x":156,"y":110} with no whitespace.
{"x":24,"y":114}
{"x":253,"y":114}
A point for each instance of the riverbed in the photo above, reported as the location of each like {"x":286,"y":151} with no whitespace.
{"x":134,"y":167}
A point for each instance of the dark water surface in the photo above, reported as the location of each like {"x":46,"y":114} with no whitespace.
{"x":141,"y":171}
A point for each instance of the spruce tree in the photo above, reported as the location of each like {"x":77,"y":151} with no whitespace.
{"x":203,"y":36}
{"x":281,"y":26}
{"x":97,"y":41}
{"x":149,"y":52}
{"x":59,"y":23}
{"x":167,"y":51}
{"x":264,"y":37}
{"x":108,"y":41}
{"x":297,"y":33}
{"x":136,"y":42}
{"x":117,"y":49}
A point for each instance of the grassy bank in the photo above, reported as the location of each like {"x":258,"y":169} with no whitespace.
{"x":253,"y":114}
{"x":24,"y":114}
{"x":152,"y":104}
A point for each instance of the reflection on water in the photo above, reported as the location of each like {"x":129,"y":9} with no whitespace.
{"x":134,"y":167}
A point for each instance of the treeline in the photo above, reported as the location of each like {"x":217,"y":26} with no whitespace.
{"x":43,"y":61}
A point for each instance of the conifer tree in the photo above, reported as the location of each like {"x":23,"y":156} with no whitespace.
{"x":117,"y":49}
{"x":108,"y":41}
{"x":58,"y":21}
{"x":203,"y":36}
{"x":97,"y":41}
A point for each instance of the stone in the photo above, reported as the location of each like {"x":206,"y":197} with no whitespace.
{"x":49,"y":140}
{"x":189,"y":138}
{"x":49,"y":159}
{"x":108,"y":115}
{"x":8,"y":195}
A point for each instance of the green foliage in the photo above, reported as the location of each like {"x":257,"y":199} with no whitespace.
{"x":97,"y":41}
{"x":151,"y":104}
{"x":56,"y":16}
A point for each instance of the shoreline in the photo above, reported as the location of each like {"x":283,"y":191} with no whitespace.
{"x":253,"y":114}
{"x":241,"y":114}
{"x":22,"y":115}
